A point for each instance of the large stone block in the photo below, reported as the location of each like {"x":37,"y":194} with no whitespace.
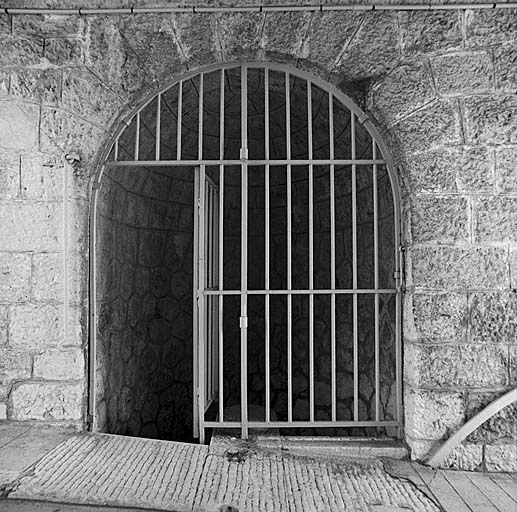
{"x":485,"y":27}
{"x":46,"y":401}
{"x":463,"y":73}
{"x":64,"y":51}
{"x":403,"y":90}
{"x":4,"y":325}
{"x":429,"y":128}
{"x":495,"y":219}
{"x":455,"y":267}
{"x":57,"y":365}
{"x":20,"y":51}
{"x":15,"y":271}
{"x":31,"y":226}
{"x":440,"y":316}
{"x":506,"y":67}
{"x":513,"y":365}
{"x":465,"y":457}
{"x":47,"y":277}
{"x":501,"y":457}
{"x":14,"y":365}
{"x":38,"y":85}
{"x":41,"y":176}
{"x":431,"y":31}
{"x":439,"y":219}
{"x":9,"y":174}
{"x":35,"y":326}
{"x":493,"y":317}
{"x":451,"y":366}
{"x":490,"y":120}
{"x":506,"y":170}
{"x":46,"y":25}
{"x":18,"y":125}
{"x":433,"y":414}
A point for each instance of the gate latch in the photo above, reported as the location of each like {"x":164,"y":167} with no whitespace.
{"x":243,"y":322}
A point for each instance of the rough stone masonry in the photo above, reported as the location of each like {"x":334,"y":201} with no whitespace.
{"x":441,"y":87}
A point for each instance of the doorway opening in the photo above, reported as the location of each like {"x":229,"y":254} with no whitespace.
{"x":246,"y":267}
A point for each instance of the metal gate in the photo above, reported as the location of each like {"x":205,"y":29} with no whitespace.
{"x":267,"y":119}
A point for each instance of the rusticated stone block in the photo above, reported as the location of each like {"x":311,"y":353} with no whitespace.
{"x":39,"y":85}
{"x":29,"y":25}
{"x":501,"y":427}
{"x":432,"y":127}
{"x":41,"y":176}
{"x":490,"y":120}
{"x":456,"y":365}
{"x":439,"y":219}
{"x":495,"y":219}
{"x":31,"y":226}
{"x":14,"y":365}
{"x":47,"y":277}
{"x":4,"y":325}
{"x":506,"y":67}
{"x":403,"y":90}
{"x":18,"y":125}
{"x":506,"y":170}
{"x":64,"y":51}
{"x":465,"y":457}
{"x":35,"y":327}
{"x":486,"y":27}
{"x":463,"y":73}
{"x":455,"y":267}
{"x":46,"y":401}
{"x":492,"y":317}
{"x":433,"y":414}
{"x":513,"y":365}
{"x":422,"y":32}
{"x":501,"y":457}
{"x":439,"y":316}
{"x":15,"y":271}
{"x":56,"y":365}
{"x":21,"y":51}
{"x":9,"y":174}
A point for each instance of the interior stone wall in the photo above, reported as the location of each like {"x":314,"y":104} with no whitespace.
{"x":144,"y":303}
{"x":441,"y":86}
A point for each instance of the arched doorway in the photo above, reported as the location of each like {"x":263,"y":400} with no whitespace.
{"x":245,"y":270}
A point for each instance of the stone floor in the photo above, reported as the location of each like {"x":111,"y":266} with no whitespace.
{"x":99,"y":470}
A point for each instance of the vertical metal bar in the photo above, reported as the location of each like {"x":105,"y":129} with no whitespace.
{"x":376,"y":279}
{"x":208,"y":334}
{"x":201,"y":307}
{"x":115,"y":155}
{"x":289,"y":255}
{"x":311,"y":253}
{"x":221,"y":248}
{"x":354,"y":269}
{"x":398,"y":314}
{"x":158,"y":125}
{"x":137,"y":137}
{"x":195,"y":305}
{"x":180,"y":121}
{"x":332,"y":257}
{"x":244,"y":252}
{"x":267,"y":326}
{"x":200,"y":118}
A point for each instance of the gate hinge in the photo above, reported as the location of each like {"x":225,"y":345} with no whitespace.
{"x":243,"y":322}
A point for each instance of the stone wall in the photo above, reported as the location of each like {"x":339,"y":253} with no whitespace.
{"x":441,"y":86}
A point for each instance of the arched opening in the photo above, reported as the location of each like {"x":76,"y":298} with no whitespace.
{"x":245,"y":267}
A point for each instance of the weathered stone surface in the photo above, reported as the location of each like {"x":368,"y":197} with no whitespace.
{"x":21,"y":51}
{"x":57,"y":365}
{"x":463,"y":73}
{"x":490,"y":120}
{"x":465,"y":457}
{"x":505,"y":57}
{"x":406,"y":88}
{"x":456,"y":365}
{"x":9,"y":174}
{"x":493,"y":317}
{"x":63,"y":51}
{"x":46,"y":401}
{"x":18,"y":125}
{"x":488,"y":27}
{"x":14,"y":365}
{"x":39,"y":85}
{"x":15,"y":272}
{"x":47,"y":277}
{"x":506,"y":171}
{"x":439,"y":316}
{"x":41,"y":176}
{"x":474,"y":169}
{"x":495,"y":219}
{"x":439,"y":219}
{"x":35,"y":327}
{"x":513,"y":365}
{"x":30,"y":226}
{"x":446,"y":267}
{"x":429,"y":128}
{"x":501,"y":457}
{"x":433,"y":414}
{"x":4,"y":325}
{"x":430,"y":31}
